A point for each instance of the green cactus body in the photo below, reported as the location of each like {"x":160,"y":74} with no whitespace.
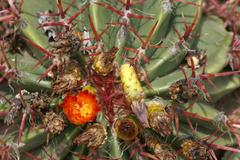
{"x":159,"y":71}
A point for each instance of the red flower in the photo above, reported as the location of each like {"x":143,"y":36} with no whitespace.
{"x":80,"y":108}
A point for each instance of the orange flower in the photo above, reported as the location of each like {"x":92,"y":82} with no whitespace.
{"x":80,"y":108}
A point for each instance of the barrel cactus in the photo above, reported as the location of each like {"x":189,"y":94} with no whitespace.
{"x":120,"y":79}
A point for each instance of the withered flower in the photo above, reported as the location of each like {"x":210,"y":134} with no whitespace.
{"x":126,"y":128}
{"x":94,"y":136}
{"x":68,"y":80}
{"x":194,"y":150}
{"x":53,"y":122}
{"x":103,"y":63}
{"x":181,"y":91}
{"x":162,"y":150}
{"x":159,"y":119}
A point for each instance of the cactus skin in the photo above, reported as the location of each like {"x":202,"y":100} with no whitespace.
{"x":123,"y":54}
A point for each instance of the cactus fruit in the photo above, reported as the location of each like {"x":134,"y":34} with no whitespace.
{"x":119,"y":79}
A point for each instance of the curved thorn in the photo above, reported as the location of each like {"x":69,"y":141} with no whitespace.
{"x":131,"y":29}
{"x":147,"y":40}
{"x":137,"y":16}
{"x":89,"y":48}
{"x":193,"y":68}
{"x":5,"y":57}
{"x":24,"y":117}
{"x":78,"y":13}
{"x":53,"y":24}
{"x":60,"y":9}
{"x":203,"y":89}
{"x":37,"y":46}
{"x":128,"y":5}
{"x":96,"y":36}
{"x":6,"y":18}
{"x":69,"y":6}
{"x":39,"y":62}
{"x":46,"y":72}
{"x":206,"y":76}
{"x":225,"y":148}
{"x":120,"y":13}
{"x":131,"y":49}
